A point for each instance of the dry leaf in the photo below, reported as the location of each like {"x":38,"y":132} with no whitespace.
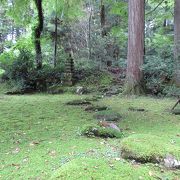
{"x":15,"y":151}
{"x":151,"y":173}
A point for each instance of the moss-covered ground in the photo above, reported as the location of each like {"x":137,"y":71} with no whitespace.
{"x":40,"y":139}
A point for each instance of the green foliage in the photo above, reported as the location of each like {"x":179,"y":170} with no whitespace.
{"x":84,"y":64}
{"x":171,"y":90}
{"x":66,"y":10}
{"x":158,"y":73}
{"x":121,"y":9}
{"x":20,"y":11}
{"x":18,"y":67}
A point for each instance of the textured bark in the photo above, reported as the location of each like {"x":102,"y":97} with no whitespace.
{"x":135,"y":57}
{"x":177,"y":41}
{"x":89,"y":35}
{"x":55,"y":39}
{"x":37,"y":34}
{"x":103,"y":19}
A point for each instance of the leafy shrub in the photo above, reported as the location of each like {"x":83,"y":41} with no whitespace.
{"x":158,"y":73}
{"x":16,"y":68}
{"x":171,"y":91}
{"x":86,"y":65}
{"x":20,"y":71}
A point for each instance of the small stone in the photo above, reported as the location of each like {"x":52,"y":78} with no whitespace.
{"x":171,"y":162}
{"x":81,"y":90}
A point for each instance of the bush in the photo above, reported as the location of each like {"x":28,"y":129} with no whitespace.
{"x":20,"y":71}
{"x":158,"y":73}
{"x":17,"y":68}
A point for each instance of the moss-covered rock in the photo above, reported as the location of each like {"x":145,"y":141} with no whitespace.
{"x":148,"y":148}
{"x":108,"y":132}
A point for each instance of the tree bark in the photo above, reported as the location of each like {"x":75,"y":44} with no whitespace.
{"x":89,"y":33}
{"x":135,"y":58}
{"x":177,"y":41}
{"x":103,"y":19}
{"x":55,"y":38}
{"x":37,"y":34}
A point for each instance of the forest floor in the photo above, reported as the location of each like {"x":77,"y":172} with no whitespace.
{"x":40,"y":139}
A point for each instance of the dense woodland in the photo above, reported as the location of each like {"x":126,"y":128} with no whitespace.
{"x":90,"y":89}
{"x":40,"y":39}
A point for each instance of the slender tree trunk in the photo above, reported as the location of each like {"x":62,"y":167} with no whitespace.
{"x":103,"y":19}
{"x":89,"y":35}
{"x":177,"y":42}
{"x":55,"y":39}
{"x":1,"y":44}
{"x":135,"y":58}
{"x":37,"y":34}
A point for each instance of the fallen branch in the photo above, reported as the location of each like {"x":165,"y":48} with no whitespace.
{"x":175,"y":105}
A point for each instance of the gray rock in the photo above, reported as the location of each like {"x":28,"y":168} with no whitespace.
{"x":81,"y":90}
{"x":171,"y":162}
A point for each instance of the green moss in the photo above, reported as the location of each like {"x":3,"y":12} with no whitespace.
{"x":148,"y":148}
{"x":98,"y":131}
{"x":38,"y":131}
{"x":101,"y":169}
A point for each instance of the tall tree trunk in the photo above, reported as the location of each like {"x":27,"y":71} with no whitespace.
{"x":135,"y":58}
{"x":55,"y":39}
{"x":37,"y":34}
{"x":89,"y":33}
{"x":177,"y":41}
{"x":103,"y":19}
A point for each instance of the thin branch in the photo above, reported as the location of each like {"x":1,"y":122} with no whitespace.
{"x":155,"y":8}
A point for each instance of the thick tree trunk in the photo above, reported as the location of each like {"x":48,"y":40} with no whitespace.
{"x":177,"y":42}
{"x":135,"y":58}
{"x":37,"y":34}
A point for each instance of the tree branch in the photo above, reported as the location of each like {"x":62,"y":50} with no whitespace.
{"x":155,"y":8}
